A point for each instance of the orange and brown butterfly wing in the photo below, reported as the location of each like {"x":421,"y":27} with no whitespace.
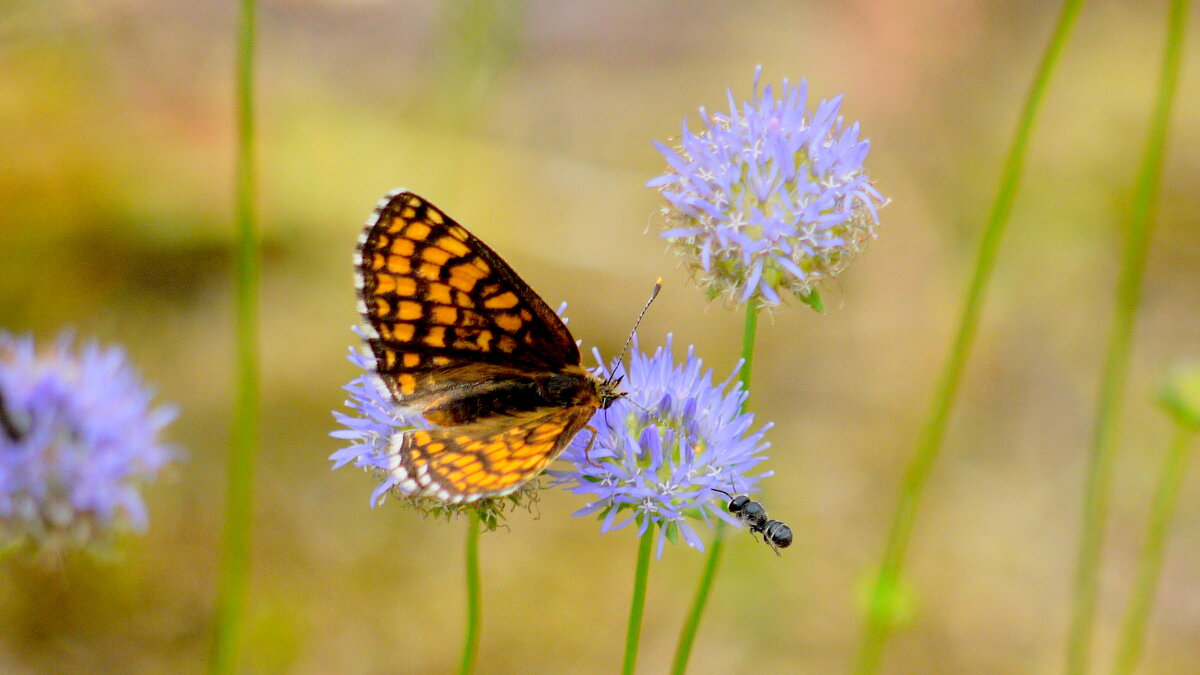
{"x":491,"y":457}
{"x":458,"y":337}
{"x":443,"y":310}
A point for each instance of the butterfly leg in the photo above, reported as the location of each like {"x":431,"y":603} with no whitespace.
{"x":587,"y":448}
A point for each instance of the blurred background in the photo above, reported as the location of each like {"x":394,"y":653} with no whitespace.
{"x":532,"y":124}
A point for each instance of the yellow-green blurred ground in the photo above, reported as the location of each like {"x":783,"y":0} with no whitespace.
{"x":532,"y":125}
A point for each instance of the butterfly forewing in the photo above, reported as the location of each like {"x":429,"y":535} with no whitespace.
{"x":459,"y":337}
{"x":436,"y":297}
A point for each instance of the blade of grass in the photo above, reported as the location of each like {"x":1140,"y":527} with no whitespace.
{"x":1150,"y":564}
{"x":1115,"y":374}
{"x":878,"y":614}
{"x":687,"y":636}
{"x":236,"y":546}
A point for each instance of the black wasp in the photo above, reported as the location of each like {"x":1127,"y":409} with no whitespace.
{"x":754,"y":516}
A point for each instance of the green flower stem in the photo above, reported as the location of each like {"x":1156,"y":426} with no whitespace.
{"x":638,"y":604}
{"x":749,"y":333}
{"x":1150,"y":564}
{"x":879,"y":615}
{"x":231,"y":598}
{"x":687,"y":637}
{"x":471,"y":640}
{"x":1112,"y":386}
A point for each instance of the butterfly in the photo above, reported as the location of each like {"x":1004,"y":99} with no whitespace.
{"x":460,"y":340}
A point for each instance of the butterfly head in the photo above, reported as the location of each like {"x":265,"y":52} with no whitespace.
{"x":609,"y":391}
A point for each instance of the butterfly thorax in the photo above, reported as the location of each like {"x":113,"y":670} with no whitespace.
{"x":514,"y":396}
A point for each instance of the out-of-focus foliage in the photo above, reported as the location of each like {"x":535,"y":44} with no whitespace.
{"x":533,"y":126}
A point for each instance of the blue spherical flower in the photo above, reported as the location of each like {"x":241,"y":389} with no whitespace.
{"x":78,"y":434}
{"x":770,"y":197}
{"x":661,"y":452}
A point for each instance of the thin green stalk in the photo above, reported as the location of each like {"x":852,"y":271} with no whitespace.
{"x":1150,"y":564}
{"x":879,"y":612}
{"x":687,"y":637}
{"x":638,"y":604}
{"x":231,"y":597}
{"x":471,"y":639}
{"x":1112,"y":385}
{"x":749,"y":333}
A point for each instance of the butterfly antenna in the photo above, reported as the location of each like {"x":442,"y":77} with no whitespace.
{"x":628,"y":341}
{"x":657,"y":418}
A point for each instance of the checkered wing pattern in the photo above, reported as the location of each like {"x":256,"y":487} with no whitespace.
{"x":459,"y":337}
{"x":443,"y":310}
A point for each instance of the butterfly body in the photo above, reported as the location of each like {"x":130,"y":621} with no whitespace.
{"x":462,"y":342}
{"x":516,"y":394}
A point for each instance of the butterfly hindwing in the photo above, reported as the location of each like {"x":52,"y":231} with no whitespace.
{"x":489,"y":458}
{"x":436,"y":298}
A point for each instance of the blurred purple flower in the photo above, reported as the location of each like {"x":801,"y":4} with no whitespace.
{"x":660,"y":452}
{"x":78,"y":435}
{"x":768,"y":198}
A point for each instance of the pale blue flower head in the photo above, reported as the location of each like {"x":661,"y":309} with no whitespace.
{"x":78,"y":437}
{"x":375,"y":419}
{"x":660,"y":453}
{"x":769,"y":198}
